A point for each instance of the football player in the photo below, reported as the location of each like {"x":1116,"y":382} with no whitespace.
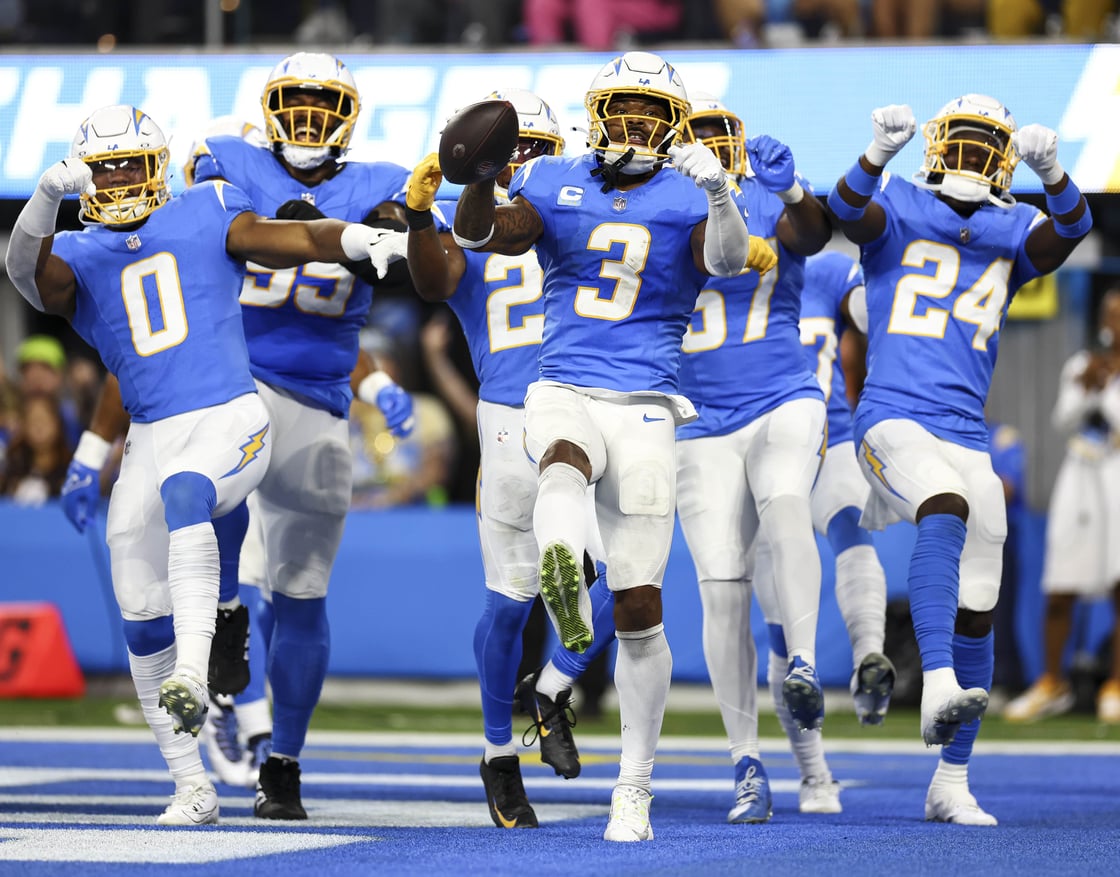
{"x":942,"y":257}
{"x":747,"y":464}
{"x":302,"y":327}
{"x":200,"y":437}
{"x":625,"y":245}
{"x":497,"y":299}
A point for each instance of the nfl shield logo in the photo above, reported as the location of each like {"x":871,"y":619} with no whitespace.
{"x":309,"y":197}
{"x":132,"y":242}
{"x":503,"y":436}
{"x":619,"y":203}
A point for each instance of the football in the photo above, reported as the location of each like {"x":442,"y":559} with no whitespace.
{"x":478,"y":141}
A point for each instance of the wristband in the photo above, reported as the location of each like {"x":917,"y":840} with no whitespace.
{"x":844,"y":211}
{"x":1065,"y":201}
{"x":372,"y":384}
{"x":418,"y":219}
{"x":1075,"y":229}
{"x":472,"y":245}
{"x":792,"y":195}
{"x":92,"y":450}
{"x":860,"y":181}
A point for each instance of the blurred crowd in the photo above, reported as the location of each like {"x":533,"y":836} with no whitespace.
{"x":592,"y":24}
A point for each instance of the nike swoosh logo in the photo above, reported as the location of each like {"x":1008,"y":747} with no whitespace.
{"x":647,"y":419}
{"x":506,"y":823}
{"x":77,"y":483}
{"x":544,"y":728}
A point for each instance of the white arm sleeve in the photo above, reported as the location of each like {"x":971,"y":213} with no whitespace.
{"x":726,"y":241}
{"x":35,"y":221}
{"x":857,"y":308}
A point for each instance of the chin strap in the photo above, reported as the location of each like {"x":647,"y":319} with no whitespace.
{"x":610,"y":171}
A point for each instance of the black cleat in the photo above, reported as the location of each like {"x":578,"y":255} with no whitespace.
{"x":505,"y":793}
{"x":552,"y":723}
{"x":278,"y":791}
{"x":229,"y":652}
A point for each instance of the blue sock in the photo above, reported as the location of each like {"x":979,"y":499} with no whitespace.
{"x":258,"y":648}
{"x":844,"y":531}
{"x":266,"y":620}
{"x":497,"y":652}
{"x":777,"y":640}
{"x":297,"y":666}
{"x":975,"y":660}
{"x":149,"y":637}
{"x":230,"y":530}
{"x":602,"y":623}
{"x":935,"y":574}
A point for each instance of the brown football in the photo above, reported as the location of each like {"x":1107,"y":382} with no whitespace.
{"x":478,"y":141}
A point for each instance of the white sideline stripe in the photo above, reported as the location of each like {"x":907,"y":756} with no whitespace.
{"x":35,"y":776}
{"x":321,"y":812}
{"x":597,"y":743}
{"x":158,"y":846}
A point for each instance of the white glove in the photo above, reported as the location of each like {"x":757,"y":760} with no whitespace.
{"x":71,"y":176}
{"x":893,"y":126}
{"x":386,"y":247}
{"x":1037,"y":145}
{"x":695,"y":160}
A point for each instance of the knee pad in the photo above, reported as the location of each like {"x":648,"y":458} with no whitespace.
{"x":509,"y":500}
{"x":978,"y":594}
{"x":188,"y":498}
{"x":149,"y":637}
{"x":645,"y":488}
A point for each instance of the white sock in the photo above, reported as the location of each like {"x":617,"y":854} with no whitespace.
{"x":642,"y":672}
{"x":192,"y":576}
{"x":253,"y":718}
{"x":180,"y":751}
{"x":861,"y":594}
{"x":496,"y":750}
{"x":787,"y":526}
{"x":807,"y":746}
{"x":551,"y":681}
{"x":951,"y":774}
{"x":729,"y":652}
{"x":939,"y":684}
{"x":560,"y":512}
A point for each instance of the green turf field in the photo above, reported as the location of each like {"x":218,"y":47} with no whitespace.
{"x":902,"y":723}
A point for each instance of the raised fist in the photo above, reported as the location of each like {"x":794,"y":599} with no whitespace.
{"x":892,"y":127}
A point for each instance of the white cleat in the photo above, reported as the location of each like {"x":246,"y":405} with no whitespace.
{"x":191,"y":805}
{"x":229,"y":760}
{"x":941,"y":720}
{"x":955,"y":804}
{"x":629,"y":819}
{"x":819,"y":795}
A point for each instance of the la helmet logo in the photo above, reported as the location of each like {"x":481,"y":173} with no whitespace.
{"x":644,"y":80}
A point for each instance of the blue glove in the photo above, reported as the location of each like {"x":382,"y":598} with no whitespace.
{"x":772,"y":163}
{"x":377,"y":388}
{"x":82,"y":491}
{"x":396,"y":405}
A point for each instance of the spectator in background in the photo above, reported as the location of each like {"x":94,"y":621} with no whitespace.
{"x":1082,"y":556}
{"x":42,"y":369}
{"x":9,"y":409}
{"x":600,"y":25}
{"x":38,"y":454}
{"x":390,"y":471}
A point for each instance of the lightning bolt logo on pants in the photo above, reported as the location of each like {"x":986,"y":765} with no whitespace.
{"x":250,"y":450}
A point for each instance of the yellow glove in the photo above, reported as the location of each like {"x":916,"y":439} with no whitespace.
{"x":760,"y":256}
{"x":424,"y":183}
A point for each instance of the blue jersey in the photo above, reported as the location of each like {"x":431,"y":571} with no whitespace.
{"x":499,"y":304}
{"x":828,"y":278}
{"x":743,"y":348}
{"x":938,"y":287}
{"x":302,"y":323}
{"x":619,"y":279}
{"x":159,"y":303}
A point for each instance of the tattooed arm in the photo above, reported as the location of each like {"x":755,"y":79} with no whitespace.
{"x":480,"y":225}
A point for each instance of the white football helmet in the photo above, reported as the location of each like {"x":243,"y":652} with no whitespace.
{"x":636,"y":74}
{"x":223,"y":126}
{"x":989,"y":127}
{"x":307,"y":136}
{"x":731,"y":144}
{"x":538,"y":131}
{"x":111,"y":139}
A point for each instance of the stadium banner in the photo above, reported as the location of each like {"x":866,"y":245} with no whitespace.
{"x":818,"y":100}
